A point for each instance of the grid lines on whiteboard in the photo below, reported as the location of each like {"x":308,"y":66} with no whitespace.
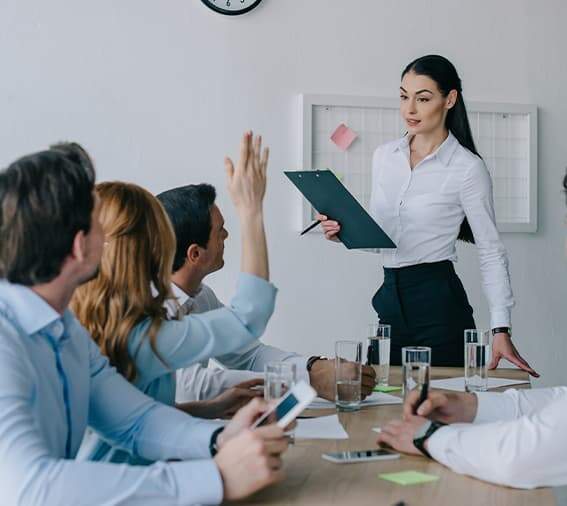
{"x":503,"y":139}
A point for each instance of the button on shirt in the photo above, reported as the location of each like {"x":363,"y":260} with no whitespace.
{"x":53,"y":382}
{"x":518,"y":439}
{"x":198,"y":381}
{"x":422,"y":211}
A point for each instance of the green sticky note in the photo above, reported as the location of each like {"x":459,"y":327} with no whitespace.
{"x":385,"y":388}
{"x":408,"y":477}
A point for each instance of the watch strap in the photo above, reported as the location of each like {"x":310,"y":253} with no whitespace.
{"x":213,"y":447}
{"x":311,"y":360}
{"x":505,"y":330}
{"x":419,"y":442}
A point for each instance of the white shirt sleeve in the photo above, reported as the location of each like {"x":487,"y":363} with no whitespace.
{"x":478,"y":205}
{"x":525,"y":452}
{"x":198,"y":383}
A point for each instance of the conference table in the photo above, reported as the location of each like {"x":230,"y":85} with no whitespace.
{"x":311,"y":480}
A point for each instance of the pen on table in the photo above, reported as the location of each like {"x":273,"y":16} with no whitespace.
{"x":422,"y":395}
{"x":311,"y":227}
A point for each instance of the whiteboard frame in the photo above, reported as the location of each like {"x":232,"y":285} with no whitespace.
{"x":308,"y":101}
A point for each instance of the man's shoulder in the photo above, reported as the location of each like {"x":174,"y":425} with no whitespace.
{"x":207,"y":299}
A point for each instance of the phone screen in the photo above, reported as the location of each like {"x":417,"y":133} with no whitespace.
{"x":360,"y":454}
{"x":282,"y":409}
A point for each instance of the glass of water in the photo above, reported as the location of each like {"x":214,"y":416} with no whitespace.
{"x":416,"y":368}
{"x":279,"y":378}
{"x":378,"y":356}
{"x":348,"y":374}
{"x":477,"y":347}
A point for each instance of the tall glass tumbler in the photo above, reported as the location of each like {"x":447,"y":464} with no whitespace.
{"x":378,"y":354}
{"x":477,"y":348}
{"x":279,"y":378}
{"x":416,"y":368}
{"x":348,"y":375}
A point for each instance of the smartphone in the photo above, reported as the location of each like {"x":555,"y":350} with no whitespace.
{"x":289,"y":406}
{"x":360,"y":456}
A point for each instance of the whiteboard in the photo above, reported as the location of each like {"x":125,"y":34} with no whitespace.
{"x":505,"y":136}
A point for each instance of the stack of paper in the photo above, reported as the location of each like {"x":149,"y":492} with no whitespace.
{"x":322,"y":427}
{"x":376,"y":399}
{"x":458,"y":384}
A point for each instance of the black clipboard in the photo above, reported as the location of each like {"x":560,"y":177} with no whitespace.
{"x":328,"y":195}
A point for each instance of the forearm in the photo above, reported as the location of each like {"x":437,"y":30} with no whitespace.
{"x":513,"y":404}
{"x":254,"y":258}
{"x":52,"y":482}
{"x":523,"y":453}
{"x":199,"y":409}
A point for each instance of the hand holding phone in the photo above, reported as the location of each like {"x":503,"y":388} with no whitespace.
{"x":288,"y":407}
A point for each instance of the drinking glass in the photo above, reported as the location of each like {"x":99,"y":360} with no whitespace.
{"x":378,"y":356}
{"x":348,"y":374}
{"x":416,"y":366}
{"x":279,"y":378}
{"x":477,"y":347}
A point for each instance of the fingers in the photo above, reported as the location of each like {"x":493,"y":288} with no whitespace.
{"x":264,"y":160}
{"x":368,"y":371}
{"x":251,"y":383}
{"x":257,"y":149}
{"x":271,"y":431}
{"x":494,"y":361}
{"x":245,"y":148}
{"x":251,"y":411}
{"x":229,"y":167}
{"x":276,"y":446}
{"x":320,"y":217}
{"x":522,"y":364}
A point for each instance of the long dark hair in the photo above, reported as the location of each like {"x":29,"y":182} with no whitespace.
{"x":444,"y":73}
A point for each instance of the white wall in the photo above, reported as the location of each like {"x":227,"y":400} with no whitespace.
{"x":159,"y":91}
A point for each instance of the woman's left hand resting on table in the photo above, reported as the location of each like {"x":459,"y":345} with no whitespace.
{"x":502,"y":347}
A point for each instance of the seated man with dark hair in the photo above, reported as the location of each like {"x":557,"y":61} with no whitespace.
{"x":200,"y":233}
{"x":54,"y":380}
{"x":516,"y":438}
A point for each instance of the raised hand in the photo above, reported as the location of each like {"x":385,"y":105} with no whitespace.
{"x":246,"y":181}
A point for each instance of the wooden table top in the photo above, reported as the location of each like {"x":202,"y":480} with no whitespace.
{"x":313,"y":481}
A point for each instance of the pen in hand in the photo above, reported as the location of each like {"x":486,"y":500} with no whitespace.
{"x":311,"y":227}
{"x":422,"y":396}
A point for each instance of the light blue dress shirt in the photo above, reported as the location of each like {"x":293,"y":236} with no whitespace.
{"x":183,"y":342}
{"x":54,"y":381}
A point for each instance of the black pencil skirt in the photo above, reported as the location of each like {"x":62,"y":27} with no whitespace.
{"x":426,"y":305}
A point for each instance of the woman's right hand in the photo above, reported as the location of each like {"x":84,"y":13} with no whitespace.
{"x":330,"y":228}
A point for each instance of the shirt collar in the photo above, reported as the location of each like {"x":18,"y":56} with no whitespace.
{"x":32,"y":313}
{"x":183,"y":297}
{"x":444,"y":152}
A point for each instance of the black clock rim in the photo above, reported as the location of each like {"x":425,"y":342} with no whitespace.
{"x":220,"y":10}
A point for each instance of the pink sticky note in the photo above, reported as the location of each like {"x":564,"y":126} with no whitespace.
{"x":343,"y":137}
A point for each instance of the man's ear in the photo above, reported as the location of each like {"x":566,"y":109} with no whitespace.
{"x":451,"y":99}
{"x":193,"y":254}
{"x":79,"y":249}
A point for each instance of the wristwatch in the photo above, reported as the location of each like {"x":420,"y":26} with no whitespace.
{"x":213,"y":447}
{"x":312,"y":360}
{"x":424,"y":433}
{"x":505,"y":330}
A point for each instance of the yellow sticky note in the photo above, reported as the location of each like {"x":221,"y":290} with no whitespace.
{"x":386,"y":388}
{"x":408,"y":477}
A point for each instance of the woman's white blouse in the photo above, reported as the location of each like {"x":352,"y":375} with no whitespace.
{"x":422,"y":211}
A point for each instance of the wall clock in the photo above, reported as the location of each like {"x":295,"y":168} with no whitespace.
{"x":232,"y":7}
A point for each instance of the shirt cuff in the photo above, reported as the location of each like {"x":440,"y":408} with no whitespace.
{"x":437,"y":444}
{"x":500,"y":318}
{"x":198,"y":482}
{"x":494,"y":406}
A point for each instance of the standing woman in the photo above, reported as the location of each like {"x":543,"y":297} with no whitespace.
{"x":429,"y":189}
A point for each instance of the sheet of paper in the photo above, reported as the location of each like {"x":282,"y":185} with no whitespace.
{"x":458,"y":384}
{"x":409,"y":477}
{"x":375,"y":399}
{"x":343,"y":136}
{"x":377,"y":429}
{"x":322,"y":427}
{"x":386,"y":388}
